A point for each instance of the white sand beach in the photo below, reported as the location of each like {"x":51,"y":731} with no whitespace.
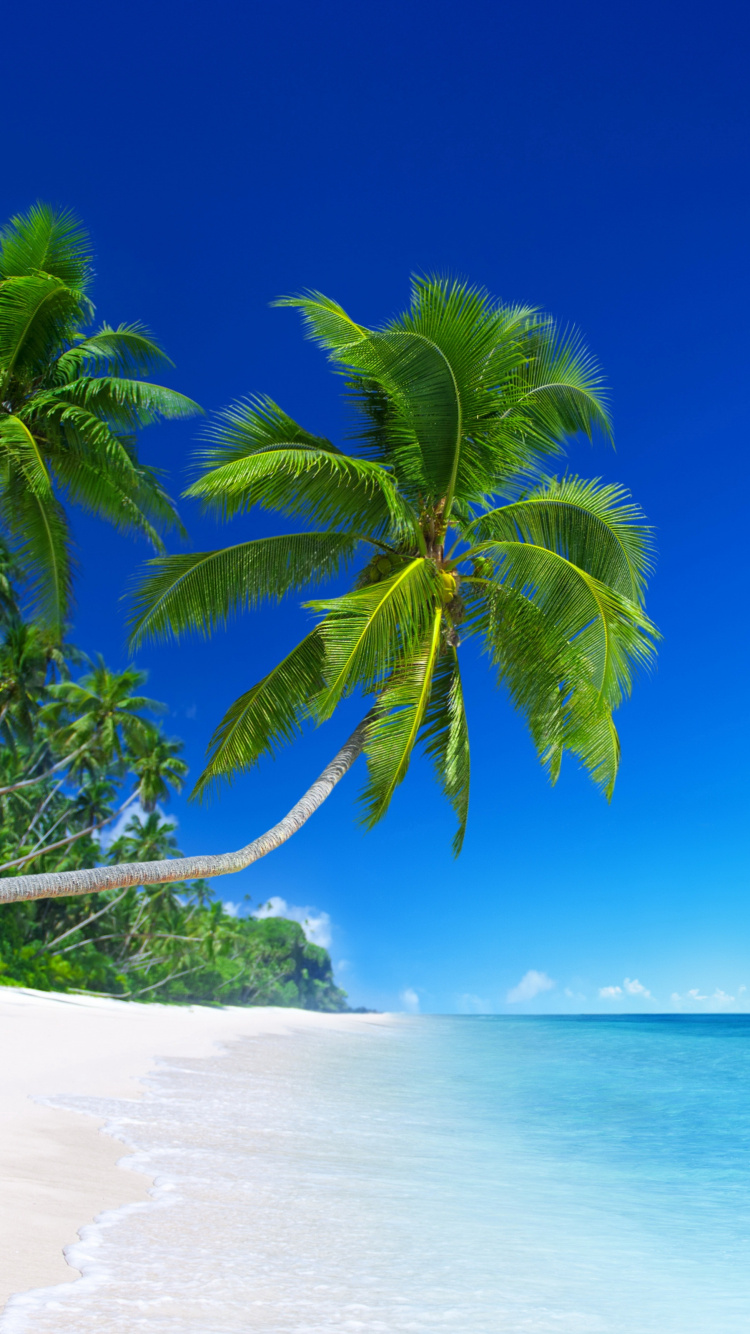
{"x":57,"y":1170}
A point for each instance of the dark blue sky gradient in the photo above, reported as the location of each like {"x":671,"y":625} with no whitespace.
{"x":591,"y":159}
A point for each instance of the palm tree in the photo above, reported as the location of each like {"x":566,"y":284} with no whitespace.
{"x":97,"y":721}
{"x":456,"y":530}
{"x":28,"y":654}
{"x":69,"y":407}
{"x":155,"y":760}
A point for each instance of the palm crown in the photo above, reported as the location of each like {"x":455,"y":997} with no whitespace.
{"x":453,"y":528}
{"x":69,"y":405}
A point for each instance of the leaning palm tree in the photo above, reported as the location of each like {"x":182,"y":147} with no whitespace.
{"x":448,"y":515}
{"x":70,"y":406}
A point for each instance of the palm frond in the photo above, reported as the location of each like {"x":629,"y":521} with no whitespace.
{"x":318,"y":486}
{"x":128,"y":350}
{"x":446,"y":739}
{"x":127,"y":405}
{"x":393,"y":732}
{"x":370,"y":633}
{"x":592,"y":525}
{"x":612,"y":631}
{"x":266,"y":717}
{"x":35,"y":521}
{"x":46,"y":240}
{"x":325,"y":321}
{"x":559,"y":390}
{"x":254,"y":425}
{"x":36,"y":315}
{"x":125,"y":501}
{"x":550,"y":683}
{"x":202,"y":590}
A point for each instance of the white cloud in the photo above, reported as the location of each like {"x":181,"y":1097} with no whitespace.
{"x":316,"y":925}
{"x":720,"y":1000}
{"x":636,"y":988}
{"x":531,"y":984}
{"x":231,"y":909}
{"x":630,"y":987}
{"x":409,"y":999}
{"x":574,"y":995}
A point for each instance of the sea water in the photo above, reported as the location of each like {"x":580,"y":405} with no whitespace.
{"x":438,"y":1175}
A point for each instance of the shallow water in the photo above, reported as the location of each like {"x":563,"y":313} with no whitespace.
{"x":447,"y":1175}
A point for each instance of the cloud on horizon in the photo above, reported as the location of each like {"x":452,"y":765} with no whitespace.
{"x":531,"y":985}
{"x":720,"y":1000}
{"x":410,"y":1000}
{"x":630,"y":987}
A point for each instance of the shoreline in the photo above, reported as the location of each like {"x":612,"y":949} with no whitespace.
{"x":59,"y":1170}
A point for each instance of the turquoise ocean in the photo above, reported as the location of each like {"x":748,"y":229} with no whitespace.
{"x":454,"y":1175}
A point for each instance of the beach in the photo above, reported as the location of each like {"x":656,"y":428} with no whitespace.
{"x":58,"y":1171}
{"x":288,"y":1172}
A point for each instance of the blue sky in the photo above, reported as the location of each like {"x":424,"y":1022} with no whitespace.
{"x":591,"y":159}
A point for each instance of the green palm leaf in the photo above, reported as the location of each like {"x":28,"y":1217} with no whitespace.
{"x":202,"y":590}
{"x":46,"y":240}
{"x":446,"y":739}
{"x":69,"y":411}
{"x":125,"y":404}
{"x":610,"y":630}
{"x":550,"y":683}
{"x":559,"y":389}
{"x":260,"y":456}
{"x":393,"y":732}
{"x":267,"y":716}
{"x":128,"y":350}
{"x":370,"y":632}
{"x":35,"y":315}
{"x":592,"y":525}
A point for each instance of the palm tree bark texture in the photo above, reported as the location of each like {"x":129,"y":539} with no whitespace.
{"x":61,"y":883}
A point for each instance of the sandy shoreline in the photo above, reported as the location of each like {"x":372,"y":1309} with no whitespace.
{"x":58,"y":1172}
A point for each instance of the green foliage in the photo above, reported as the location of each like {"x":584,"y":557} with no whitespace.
{"x":455,"y":530}
{"x":162,"y":946}
{"x":69,"y":407}
{"x":75,"y":754}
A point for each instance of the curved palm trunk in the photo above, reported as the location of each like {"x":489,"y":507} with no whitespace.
{"x":57,"y":884}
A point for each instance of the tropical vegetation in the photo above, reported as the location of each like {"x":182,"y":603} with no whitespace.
{"x":85,"y":766}
{"x":454,"y":529}
{"x":81,"y":759}
{"x":449,"y":521}
{"x":71,"y":403}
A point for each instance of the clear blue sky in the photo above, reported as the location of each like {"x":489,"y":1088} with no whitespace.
{"x":589,"y":158}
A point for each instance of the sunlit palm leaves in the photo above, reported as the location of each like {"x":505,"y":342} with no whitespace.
{"x":457,"y":532}
{"x":69,"y":409}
